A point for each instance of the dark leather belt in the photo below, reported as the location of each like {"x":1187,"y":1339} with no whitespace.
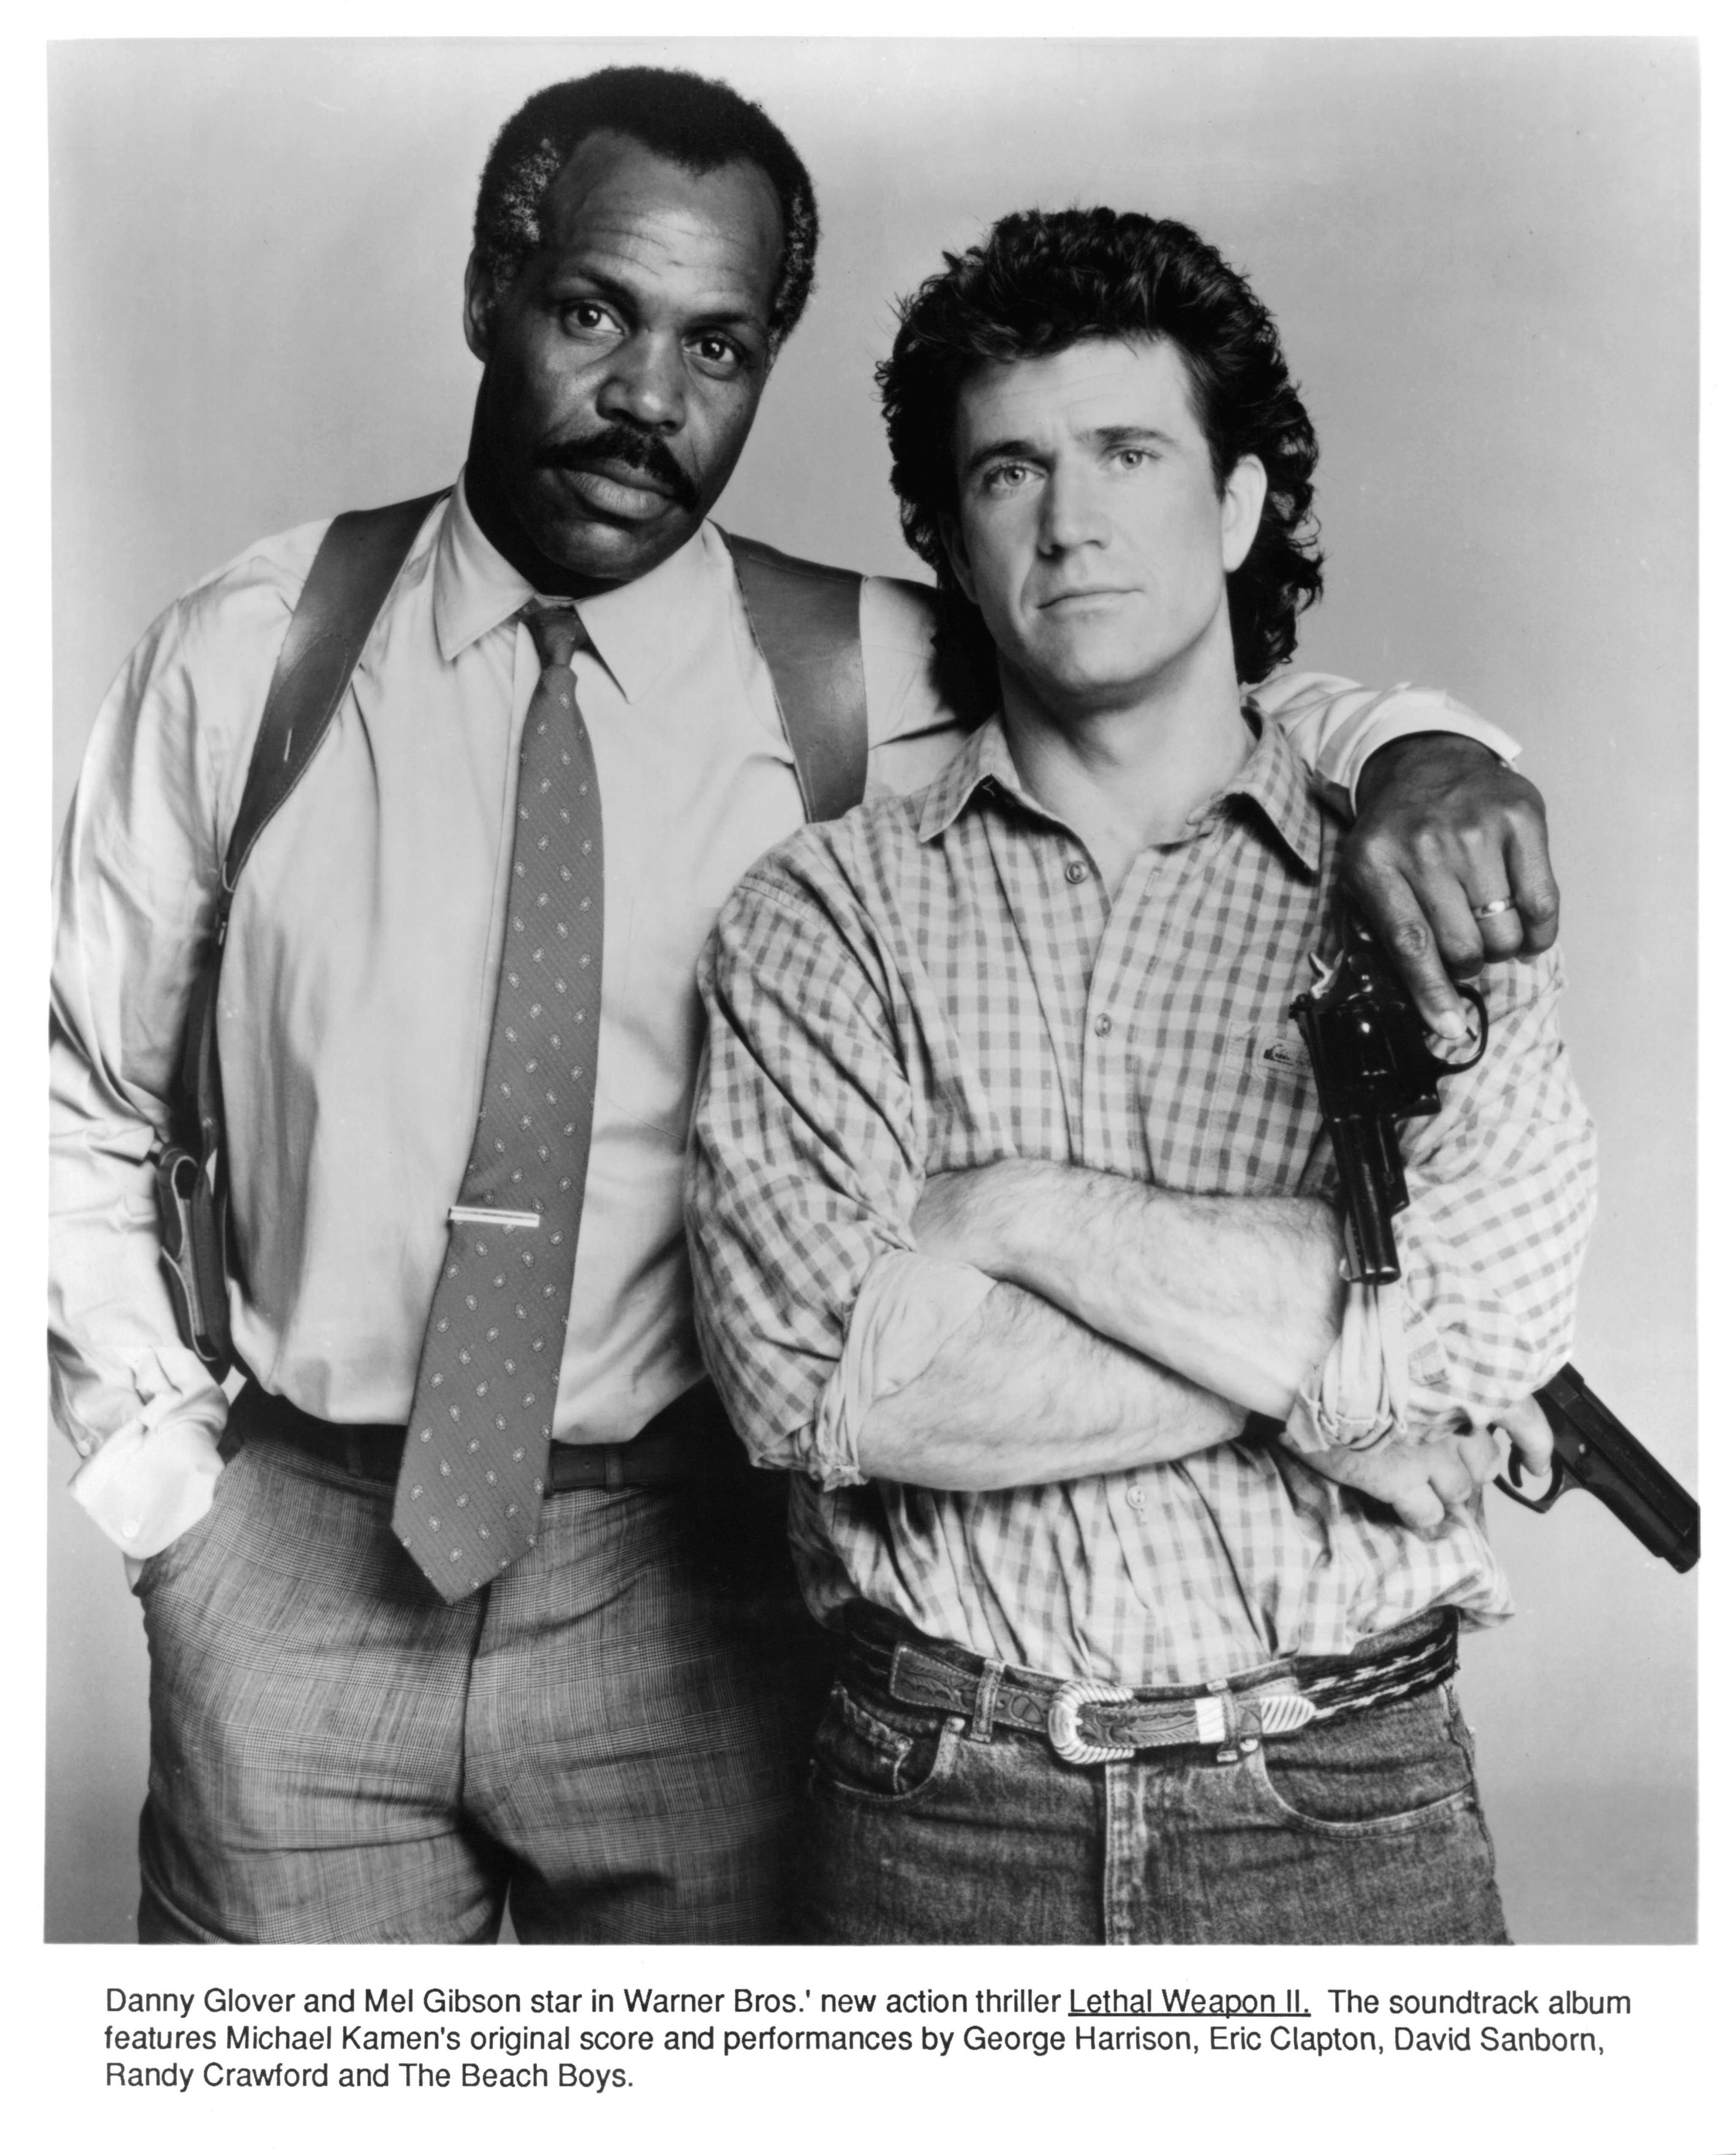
{"x":689,"y":1440}
{"x":1089,"y":1722}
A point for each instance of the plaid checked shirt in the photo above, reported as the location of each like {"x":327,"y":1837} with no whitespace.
{"x":935,"y":982}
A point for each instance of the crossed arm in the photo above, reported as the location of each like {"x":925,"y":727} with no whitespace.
{"x":1228,"y":1303}
{"x":1020,"y":1392}
{"x":1070,"y":1323}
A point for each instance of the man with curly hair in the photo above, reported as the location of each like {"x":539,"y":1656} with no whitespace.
{"x":1012,"y":1206}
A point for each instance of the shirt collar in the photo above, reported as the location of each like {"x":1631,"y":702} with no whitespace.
{"x":1272,"y":781}
{"x":475,"y":586}
{"x":984,"y":762}
{"x":634,"y":628}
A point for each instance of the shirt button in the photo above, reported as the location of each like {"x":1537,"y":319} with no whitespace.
{"x":130,"y":1530}
{"x":1136,"y":1498}
{"x":1101,"y":1027}
{"x":1076,"y":872}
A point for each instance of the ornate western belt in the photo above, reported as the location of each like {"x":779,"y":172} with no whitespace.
{"x":1089,"y":1721}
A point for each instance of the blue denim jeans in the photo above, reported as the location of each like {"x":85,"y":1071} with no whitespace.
{"x":1364,"y":1830}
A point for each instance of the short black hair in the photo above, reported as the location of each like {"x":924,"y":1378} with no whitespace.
{"x":686,"y":118}
{"x":1043,"y":280}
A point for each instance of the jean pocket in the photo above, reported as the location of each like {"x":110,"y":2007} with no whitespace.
{"x":1388,"y":1770}
{"x":877,"y":1755}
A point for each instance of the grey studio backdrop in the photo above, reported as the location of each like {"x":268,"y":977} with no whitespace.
{"x":1483,"y":259}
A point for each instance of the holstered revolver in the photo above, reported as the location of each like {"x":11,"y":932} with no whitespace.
{"x":192,"y":1186}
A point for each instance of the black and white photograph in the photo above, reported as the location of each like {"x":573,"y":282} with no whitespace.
{"x":874,"y":1031}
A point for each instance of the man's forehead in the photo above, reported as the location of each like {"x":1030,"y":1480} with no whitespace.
{"x":615,"y":197}
{"x":1095,"y":381}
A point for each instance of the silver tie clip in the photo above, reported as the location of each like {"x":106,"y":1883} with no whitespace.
{"x":483,"y":1216}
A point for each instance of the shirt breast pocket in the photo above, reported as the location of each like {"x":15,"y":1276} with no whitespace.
{"x":1265,"y":1114}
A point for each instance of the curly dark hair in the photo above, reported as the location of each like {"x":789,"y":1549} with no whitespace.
{"x":1043,"y":280}
{"x":686,"y":118}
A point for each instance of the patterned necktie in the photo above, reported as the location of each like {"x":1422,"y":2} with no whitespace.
{"x":476,"y":1454}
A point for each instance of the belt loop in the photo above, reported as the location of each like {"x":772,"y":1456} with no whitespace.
{"x":614,"y":1467}
{"x":352,"y":1454}
{"x":1219,"y":1688}
{"x":988,"y":1691}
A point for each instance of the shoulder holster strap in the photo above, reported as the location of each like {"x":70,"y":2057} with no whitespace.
{"x":357,"y":564}
{"x":807,"y":619}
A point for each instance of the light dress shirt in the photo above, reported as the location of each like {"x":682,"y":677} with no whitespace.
{"x":935,"y":983}
{"x":359,"y":978}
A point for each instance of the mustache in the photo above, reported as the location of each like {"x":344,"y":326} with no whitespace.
{"x":621,"y":443}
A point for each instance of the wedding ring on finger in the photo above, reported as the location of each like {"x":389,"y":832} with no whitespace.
{"x":1494,"y":910}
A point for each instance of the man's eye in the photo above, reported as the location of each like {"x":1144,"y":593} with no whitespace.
{"x":719,"y":352}
{"x":1131,"y":459}
{"x":1002,"y":479}
{"x":585,"y":317}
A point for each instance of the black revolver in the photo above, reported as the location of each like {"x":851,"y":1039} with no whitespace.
{"x":1374,"y":1068}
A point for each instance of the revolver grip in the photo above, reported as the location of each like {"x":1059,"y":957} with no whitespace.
{"x":190,"y":1224}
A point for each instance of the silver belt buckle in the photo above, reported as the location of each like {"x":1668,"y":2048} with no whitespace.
{"x":1218,"y":1718}
{"x":1064,"y":1721}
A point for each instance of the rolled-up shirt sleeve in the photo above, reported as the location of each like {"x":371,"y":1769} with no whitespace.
{"x":1503,"y":1190}
{"x":803,"y":1176}
{"x":906,"y":1309}
{"x":1502,"y":1187}
{"x":1335,"y":726}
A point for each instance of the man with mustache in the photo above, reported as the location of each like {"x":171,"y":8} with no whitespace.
{"x":633,"y":455}
{"x":448,"y":1605}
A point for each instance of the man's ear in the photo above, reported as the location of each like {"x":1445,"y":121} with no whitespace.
{"x":1244,"y":497}
{"x":952,"y":538}
{"x":478,"y":309}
